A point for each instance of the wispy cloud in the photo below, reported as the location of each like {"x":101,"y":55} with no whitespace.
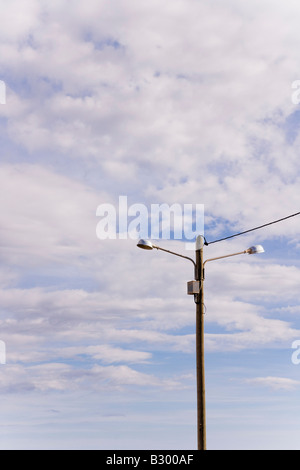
{"x":180,"y":101}
{"x":275,"y":383}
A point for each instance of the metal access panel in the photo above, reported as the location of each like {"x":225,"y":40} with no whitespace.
{"x":193,"y":287}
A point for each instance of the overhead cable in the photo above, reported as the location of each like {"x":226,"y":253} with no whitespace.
{"x":252,"y":229}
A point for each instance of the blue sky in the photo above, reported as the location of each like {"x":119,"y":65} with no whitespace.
{"x":181,"y":101}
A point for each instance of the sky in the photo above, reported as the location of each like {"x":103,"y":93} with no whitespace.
{"x":181,"y":101}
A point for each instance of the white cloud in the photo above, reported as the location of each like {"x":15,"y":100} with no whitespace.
{"x":57,"y":377}
{"x":240,"y":298}
{"x":254,"y":281}
{"x":18,"y":19}
{"x":45,"y":216}
{"x":107,"y":354}
{"x":276,"y":383}
{"x":128,"y":109}
{"x":180,"y":101}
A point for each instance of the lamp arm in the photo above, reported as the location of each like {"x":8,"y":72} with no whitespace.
{"x":176,"y":254}
{"x":226,"y":256}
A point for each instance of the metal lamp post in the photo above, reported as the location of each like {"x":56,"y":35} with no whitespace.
{"x":196,"y":288}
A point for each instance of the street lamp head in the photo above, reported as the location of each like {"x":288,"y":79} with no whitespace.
{"x":145,"y":245}
{"x":253,"y":250}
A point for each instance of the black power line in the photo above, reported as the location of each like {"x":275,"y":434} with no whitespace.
{"x":252,"y":229}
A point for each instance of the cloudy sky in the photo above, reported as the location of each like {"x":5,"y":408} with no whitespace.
{"x":180,"y":101}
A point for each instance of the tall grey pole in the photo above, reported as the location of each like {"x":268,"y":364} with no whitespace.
{"x":199,"y":298}
{"x":197,"y":289}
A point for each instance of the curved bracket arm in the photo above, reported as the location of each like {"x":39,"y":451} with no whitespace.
{"x":176,"y":254}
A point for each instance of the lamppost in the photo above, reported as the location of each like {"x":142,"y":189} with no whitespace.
{"x":196,"y":288}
